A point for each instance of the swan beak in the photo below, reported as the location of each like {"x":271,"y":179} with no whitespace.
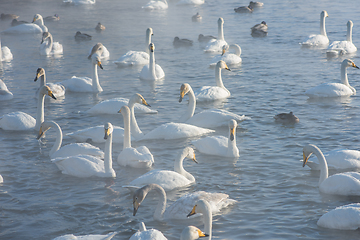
{"x":99,"y":64}
{"x":145,"y":103}
{"x":232,"y":133}
{"x":107,"y":133}
{"x":201,"y":234}
{"x":227,"y":68}
{"x":119,"y":111}
{"x":194,"y":159}
{"x":34,"y":20}
{"x":136,"y":207}
{"x":306,"y":158}
{"x":192,"y":211}
{"x":40,"y":134}
{"x":223,"y":52}
{"x":51,"y":95}
{"x":36,"y":78}
{"x":151,"y":48}
{"x":353,"y":64}
{"x":182,"y":94}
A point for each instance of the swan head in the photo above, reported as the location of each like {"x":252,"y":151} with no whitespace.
{"x":37,"y":17}
{"x":96,"y":60}
{"x":232,"y":126}
{"x":151,"y":47}
{"x":140,"y":194}
{"x":222,"y":65}
{"x":324,"y":14}
{"x":350,"y":24}
{"x":149,"y":32}
{"x":97,"y":48}
{"x":191,"y":232}
{"x":224,"y":49}
{"x":108,"y":127}
{"x":220,"y":21}
{"x":349,"y":63}
{"x":39,"y":72}
{"x":45,"y":36}
{"x":45,"y":90}
{"x":184,"y":89}
{"x":138,"y":98}
{"x":307,"y":151}
{"x":190,"y":153}
{"x":124,"y":110}
{"x":201,"y":206}
{"x":44,"y":127}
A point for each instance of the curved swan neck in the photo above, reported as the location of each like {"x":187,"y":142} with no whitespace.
{"x":108,"y":154}
{"x":191,"y":107}
{"x":207,"y":221}
{"x":40,"y":111}
{"x":59,"y":137}
{"x":322,"y":162}
{"x":127,"y":135}
{"x":220,"y":31}
{"x":135,"y":130}
{"x":95,"y":80}
{"x":42,"y":80}
{"x":178,"y":166}
{"x":349,"y":32}
{"x":161,"y":206}
{"x":152,"y":64}
{"x":218,"y":78}
{"x":237,"y":49}
{"x":322,"y":25}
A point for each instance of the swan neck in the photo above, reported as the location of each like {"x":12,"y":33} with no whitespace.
{"x":191,"y":107}
{"x":108,"y":154}
{"x":322,"y":26}
{"x":152,"y":64}
{"x":323,"y":164}
{"x":218,"y":78}
{"x":134,"y":127}
{"x":42,"y":80}
{"x":40,"y":111}
{"x":161,"y":206}
{"x":127,"y":135}
{"x":208,"y":222}
{"x":95,"y":80}
{"x":237,"y":50}
{"x":220,"y":31}
{"x":232,"y":144}
{"x":344,"y":77}
{"x":147,"y":41}
{"x":58,"y":141}
{"x":179,"y":168}
{"x":349,"y":33}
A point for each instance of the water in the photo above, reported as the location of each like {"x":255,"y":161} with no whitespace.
{"x":277,"y":198}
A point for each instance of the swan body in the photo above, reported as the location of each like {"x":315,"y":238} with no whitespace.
{"x":16,"y":22}
{"x":259,"y":30}
{"x":192,"y":233}
{"x":343,"y":47}
{"x":156,"y":5}
{"x":320,"y":40}
{"x":190,"y":2}
{"x":48,"y":46}
{"x":79,"y":36}
{"x":94,"y":134}
{"x":152,"y":71}
{"x":89,"y":166}
{"x":77,"y":2}
{"x":345,"y":217}
{"x":286,"y":118}
{"x":211,"y":93}
{"x":87,"y":237}
{"x":28,"y":27}
{"x":202,"y":206}
{"x":5,"y":54}
{"x":169,"y":180}
{"x":5,"y":94}
{"x":53,"y":18}
{"x":100,"y":27}
{"x":100,"y":50}
{"x":144,"y":234}
{"x":57,"y":89}
{"x":215,"y":45}
{"x":137,"y":57}
{"x":229,"y":58}
{"x":182,"y":42}
{"x":196,"y":18}
{"x":85,"y":84}
{"x":338,"y":184}
{"x":179,"y":209}
{"x":335,"y":89}
{"x":139,"y":157}
{"x":20,"y":121}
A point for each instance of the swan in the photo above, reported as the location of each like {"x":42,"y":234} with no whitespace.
{"x":196,"y":18}
{"x":229,"y":58}
{"x":16,"y":22}
{"x":100,"y":27}
{"x":168,"y":180}
{"x":244,"y":9}
{"x":183,"y":42}
{"x":28,"y":27}
{"x":85,"y":84}
{"x":69,"y":149}
{"x":219,"y":145}
{"x":100,"y":50}
{"x":5,"y":94}
{"x":20,"y":121}
{"x":137,"y":57}
{"x":345,"y":217}
{"x":259,"y":30}
{"x":5,"y":54}
{"x":256,"y":4}
{"x":286,"y":118}
{"x":335,"y":89}
{"x":151,"y":234}
{"x":152,"y":71}
{"x":216,"y":45}
{"x":343,"y":47}
{"x":86,"y":165}
{"x":210,"y":93}
{"x":338,"y":184}
{"x":77,"y":2}
{"x":1,"y":179}
{"x":321,"y":39}
{"x":192,"y":233}
{"x":50,"y":47}
{"x":139,"y":157}
{"x":204,"y":207}
{"x":87,"y":237}
{"x":207,"y":118}
{"x":57,"y":89}
{"x":178,"y":209}
{"x":190,"y":2}
{"x":82,"y":36}
{"x":156,"y":5}
{"x":54,"y":18}
{"x":39,"y":18}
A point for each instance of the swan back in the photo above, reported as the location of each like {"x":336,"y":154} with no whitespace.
{"x":192,"y":233}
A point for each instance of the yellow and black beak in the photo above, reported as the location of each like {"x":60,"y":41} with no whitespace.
{"x":51,"y":95}
{"x":34,"y":20}
{"x":182,"y":94}
{"x":99,"y":64}
{"x":40,"y":134}
{"x":145,"y":103}
{"x":306,"y":158}
{"x":136,"y":207}
{"x":152,"y":48}
{"x":107,"y":133}
{"x":194,"y":159}
{"x":36,"y":77}
{"x":227,"y":68}
{"x":223,"y":52}
{"x":192,"y":211}
{"x":201,"y":234}
{"x":232,"y":134}
{"x":353,"y":64}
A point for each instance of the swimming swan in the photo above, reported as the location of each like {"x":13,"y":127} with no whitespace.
{"x":338,"y":184}
{"x":139,"y":157}
{"x":179,"y":209}
{"x":320,"y":40}
{"x":87,"y":237}
{"x":190,"y":2}
{"x":28,"y":27}
{"x":215,"y":45}
{"x":5,"y":94}
{"x":345,"y":217}
{"x":228,"y":58}
{"x":207,"y":118}
{"x":20,"y":121}
{"x":137,"y":57}
{"x":5,"y":53}
{"x":168,"y":180}
{"x":335,"y":89}
{"x":152,"y":71}
{"x":156,"y":5}
{"x":48,"y":46}
{"x":219,"y":145}
{"x":192,"y":233}
{"x":151,"y":234}
{"x":202,"y":206}
{"x":343,"y":47}
{"x":57,"y":89}
{"x":88,"y":166}
{"x":210,"y":93}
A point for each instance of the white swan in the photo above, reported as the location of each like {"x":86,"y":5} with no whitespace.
{"x":48,"y":46}
{"x":86,"y":165}
{"x":70,"y":149}
{"x":179,"y":209}
{"x":190,"y":2}
{"x":192,"y":233}
{"x":338,"y":184}
{"x":320,"y":40}
{"x":20,"y":121}
{"x":77,"y":2}
{"x":132,"y":58}
{"x":5,"y":53}
{"x":1,"y":179}
{"x":85,"y":84}
{"x":229,"y":58}
{"x":343,"y":47}
{"x":5,"y":94}
{"x":139,"y":157}
{"x":215,"y":45}
{"x":345,"y":217}
{"x":210,"y":93}
{"x":208,"y":118}
{"x":335,"y":89}
{"x":57,"y":89}
{"x":156,"y":5}
{"x":87,"y":237}
{"x":100,"y":50}
{"x":168,"y":180}
{"x":219,"y":145}
{"x":28,"y":27}
{"x":152,"y":71}
{"x":151,"y":234}
{"x":202,"y":206}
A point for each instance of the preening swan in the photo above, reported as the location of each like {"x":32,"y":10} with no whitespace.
{"x":57,"y":89}
{"x":85,"y":84}
{"x":28,"y":27}
{"x":338,"y":184}
{"x":152,"y":71}
{"x":208,"y":118}
{"x":139,"y":157}
{"x":86,"y":165}
{"x":5,"y":53}
{"x":69,"y":149}
{"x":190,"y":2}
{"x":179,"y":209}
{"x":168,"y":180}
{"x":5,"y":94}
{"x":345,"y":217}
{"x":286,"y":118}
{"x":219,"y":145}
{"x":343,"y":47}
{"x":215,"y":45}
{"x":100,"y":50}
{"x":20,"y":121}
{"x":228,"y":58}
{"x":210,"y":93}
{"x":335,"y":89}
{"x":151,"y":234}
{"x":192,"y":233}
{"x":48,"y":46}
{"x":87,"y":237}
{"x":156,"y":5}
{"x":320,"y":40}
{"x":137,"y":57}
{"x":203,"y":206}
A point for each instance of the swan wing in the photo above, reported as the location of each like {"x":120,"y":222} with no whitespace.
{"x":212,"y":145}
{"x":151,"y":234}
{"x":190,"y":2}
{"x":6,"y":54}
{"x":87,"y":237}
{"x":133,"y":58}
{"x":96,"y":134}
{"x":342,"y":47}
{"x":211,"y":93}
{"x":338,"y":159}
{"x":345,"y":217}
{"x":329,"y":90}
{"x":316,"y":40}
{"x":215,"y":45}
{"x":76,"y":149}
{"x":139,"y":157}
{"x":342,"y":184}
{"x":78,"y":84}
{"x":112,"y":106}
{"x":156,"y":5}
{"x":26,"y":28}
{"x":17,"y":121}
